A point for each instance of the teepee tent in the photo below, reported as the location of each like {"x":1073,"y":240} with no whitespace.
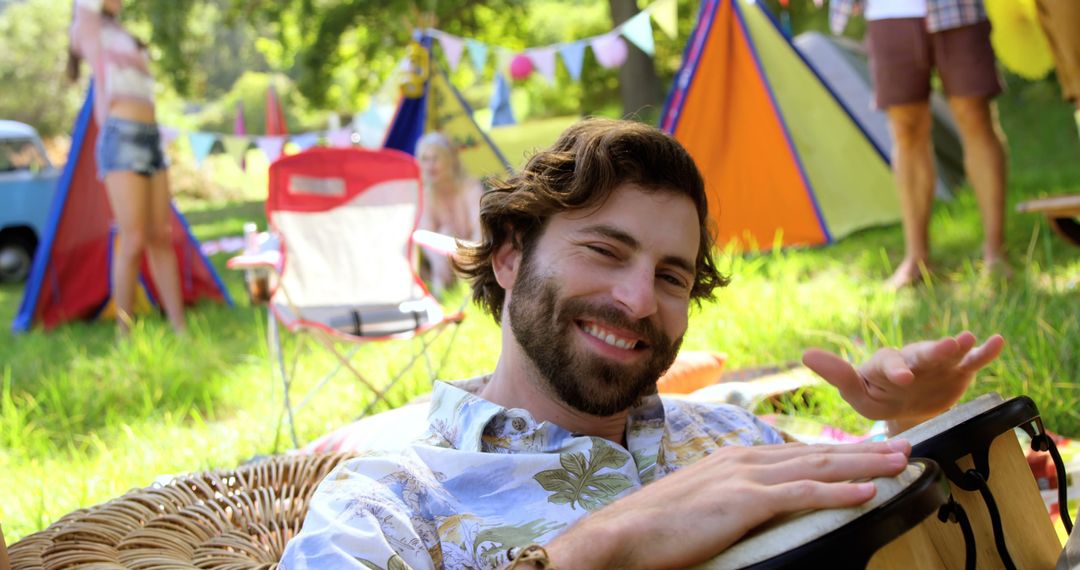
{"x":440,"y":107}
{"x":70,"y":277}
{"x":843,"y":65}
{"x":784,"y":161}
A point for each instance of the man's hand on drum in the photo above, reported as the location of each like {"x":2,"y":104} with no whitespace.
{"x":691,"y":515}
{"x":908,"y":385}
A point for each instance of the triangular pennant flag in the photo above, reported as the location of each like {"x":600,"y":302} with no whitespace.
{"x":610,"y":50}
{"x":306,"y":140}
{"x":478,"y":52}
{"x":573,"y":55}
{"x":168,"y":134}
{"x":544,"y":60}
{"x":201,"y":145}
{"x":666,"y":15}
{"x":452,"y":47}
{"x":340,"y":138}
{"x":236,"y":147}
{"x":270,"y":146}
{"x":639,"y":31}
{"x":503,"y":56}
{"x":501,"y":113}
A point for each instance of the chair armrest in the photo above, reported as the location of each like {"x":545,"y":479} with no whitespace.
{"x":262,"y":260}
{"x":437,"y":243}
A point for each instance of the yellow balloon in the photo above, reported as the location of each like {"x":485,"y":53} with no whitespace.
{"x":1018,"y":38}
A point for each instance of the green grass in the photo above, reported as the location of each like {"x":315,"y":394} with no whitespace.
{"x":83,"y":419}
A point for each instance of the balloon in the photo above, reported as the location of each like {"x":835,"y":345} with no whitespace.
{"x":610,"y":51}
{"x":520,"y":67}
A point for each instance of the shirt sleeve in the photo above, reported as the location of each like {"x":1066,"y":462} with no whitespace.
{"x":356,"y":521}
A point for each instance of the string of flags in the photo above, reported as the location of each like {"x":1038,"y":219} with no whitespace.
{"x":610,"y":48}
{"x":367,"y":129}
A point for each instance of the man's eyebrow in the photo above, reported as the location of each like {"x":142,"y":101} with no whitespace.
{"x":630,"y":241}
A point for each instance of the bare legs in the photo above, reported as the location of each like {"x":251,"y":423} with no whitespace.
{"x":984,"y":164}
{"x":141,"y":207}
{"x":913,"y":171}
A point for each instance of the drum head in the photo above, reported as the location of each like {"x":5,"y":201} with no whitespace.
{"x":842,"y":538}
{"x":951,"y":418}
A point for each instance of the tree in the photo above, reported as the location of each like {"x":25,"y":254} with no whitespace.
{"x":638,"y":83}
{"x":33,"y":56}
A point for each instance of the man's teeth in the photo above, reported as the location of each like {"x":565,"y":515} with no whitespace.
{"x":609,"y":338}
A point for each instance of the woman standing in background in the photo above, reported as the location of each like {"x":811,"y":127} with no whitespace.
{"x":130,"y":159}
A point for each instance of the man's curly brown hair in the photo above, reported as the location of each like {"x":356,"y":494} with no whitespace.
{"x":581,"y":170}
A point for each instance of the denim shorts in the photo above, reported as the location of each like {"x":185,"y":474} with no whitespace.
{"x":129,"y":146}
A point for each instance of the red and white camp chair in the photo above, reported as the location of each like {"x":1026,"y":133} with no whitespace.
{"x":345,"y":274}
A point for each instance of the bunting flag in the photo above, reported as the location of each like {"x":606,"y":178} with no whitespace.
{"x":501,"y":113}
{"x":236,"y":147}
{"x":666,"y":15}
{"x":201,"y":145}
{"x":168,"y":134}
{"x":305,"y":141}
{"x":340,"y":138}
{"x":478,"y":52}
{"x":502,"y":60}
{"x":271,"y":146}
{"x":452,"y":47}
{"x":573,"y":56}
{"x":448,"y":113}
{"x":639,"y":31}
{"x":544,"y":61}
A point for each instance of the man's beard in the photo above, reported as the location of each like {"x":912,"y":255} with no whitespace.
{"x":589,"y":383}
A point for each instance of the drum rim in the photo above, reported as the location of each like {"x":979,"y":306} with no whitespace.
{"x":976,"y":432}
{"x":865,"y":535}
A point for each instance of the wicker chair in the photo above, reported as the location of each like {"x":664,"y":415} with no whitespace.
{"x":228,"y":520}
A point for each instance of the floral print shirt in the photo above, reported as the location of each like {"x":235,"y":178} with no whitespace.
{"x":487,"y":480}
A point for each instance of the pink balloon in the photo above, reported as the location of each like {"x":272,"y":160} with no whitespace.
{"x":520,"y":67}
{"x":610,"y":51}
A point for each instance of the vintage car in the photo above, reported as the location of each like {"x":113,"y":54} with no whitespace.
{"x":27,"y":185}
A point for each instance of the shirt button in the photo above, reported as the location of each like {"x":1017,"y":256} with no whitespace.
{"x":518,"y":424}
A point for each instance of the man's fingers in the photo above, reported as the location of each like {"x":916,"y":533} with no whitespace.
{"x":772,"y":454}
{"x":802,"y":495}
{"x":833,"y":369}
{"x":983,"y":355}
{"x":896,"y":368}
{"x":833,"y":467}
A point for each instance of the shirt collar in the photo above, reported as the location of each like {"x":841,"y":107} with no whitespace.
{"x":465,"y":421}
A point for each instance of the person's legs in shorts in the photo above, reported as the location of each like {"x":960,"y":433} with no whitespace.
{"x":129,"y":158}
{"x":966,"y":63}
{"x":900,"y":59}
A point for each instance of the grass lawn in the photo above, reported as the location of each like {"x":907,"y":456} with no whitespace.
{"x":83,"y":420}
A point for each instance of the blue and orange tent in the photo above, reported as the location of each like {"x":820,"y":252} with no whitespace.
{"x":70,"y":277}
{"x":783,"y":159}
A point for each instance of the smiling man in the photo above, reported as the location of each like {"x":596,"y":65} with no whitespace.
{"x":565,"y":456}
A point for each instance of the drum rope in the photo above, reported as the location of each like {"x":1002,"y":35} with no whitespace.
{"x":1063,"y":482}
{"x":973,"y":476}
{"x":954,"y":512}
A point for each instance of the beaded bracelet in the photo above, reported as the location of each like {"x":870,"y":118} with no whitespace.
{"x":533,"y":554}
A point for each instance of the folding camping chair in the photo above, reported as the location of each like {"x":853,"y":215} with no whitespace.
{"x":345,"y":274}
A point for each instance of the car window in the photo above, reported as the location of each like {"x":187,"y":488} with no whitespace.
{"x":21,"y":154}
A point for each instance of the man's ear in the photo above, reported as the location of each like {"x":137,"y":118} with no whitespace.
{"x":506,"y":261}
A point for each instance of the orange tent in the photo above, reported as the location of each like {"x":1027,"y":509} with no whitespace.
{"x":783,"y":160}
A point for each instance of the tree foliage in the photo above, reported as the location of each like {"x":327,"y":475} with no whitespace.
{"x":33,"y":54}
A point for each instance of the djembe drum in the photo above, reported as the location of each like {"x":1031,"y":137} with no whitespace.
{"x":890,"y":531}
{"x":976,"y":447}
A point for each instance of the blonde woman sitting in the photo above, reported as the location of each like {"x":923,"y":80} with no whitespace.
{"x":451,"y":201}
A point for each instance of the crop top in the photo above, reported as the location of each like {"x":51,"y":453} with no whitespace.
{"x":120,"y":65}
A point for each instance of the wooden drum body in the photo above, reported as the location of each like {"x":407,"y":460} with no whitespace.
{"x":977,"y":449}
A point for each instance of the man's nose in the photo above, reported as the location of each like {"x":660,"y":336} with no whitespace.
{"x":636,"y":292}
